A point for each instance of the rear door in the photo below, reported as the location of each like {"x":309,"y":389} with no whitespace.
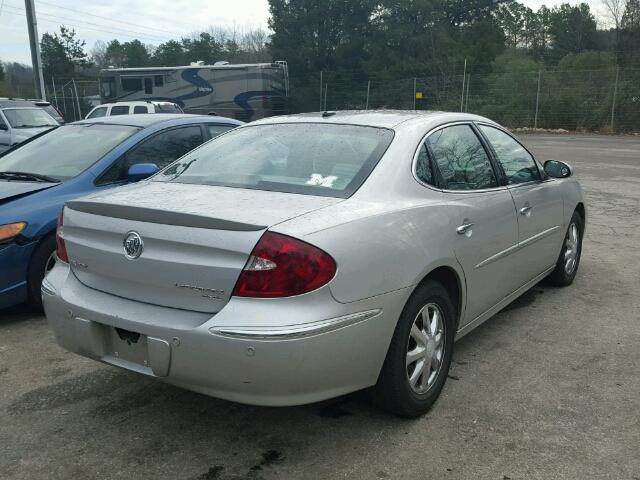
{"x":538,"y":204}
{"x":483,"y":228}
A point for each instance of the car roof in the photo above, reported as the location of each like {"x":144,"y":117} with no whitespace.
{"x":10,"y":103}
{"x":372,"y":118}
{"x":147,"y":119}
{"x":137,"y":102}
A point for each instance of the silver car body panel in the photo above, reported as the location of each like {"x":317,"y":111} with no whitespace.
{"x":385,"y":238}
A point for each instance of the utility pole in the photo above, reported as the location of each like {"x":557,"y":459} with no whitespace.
{"x":34,"y":41}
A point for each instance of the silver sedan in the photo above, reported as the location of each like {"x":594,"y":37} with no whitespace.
{"x":300,"y":258}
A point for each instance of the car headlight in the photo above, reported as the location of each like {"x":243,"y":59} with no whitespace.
{"x":10,"y":230}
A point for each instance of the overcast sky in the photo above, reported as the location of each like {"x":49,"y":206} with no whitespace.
{"x":128,"y":19}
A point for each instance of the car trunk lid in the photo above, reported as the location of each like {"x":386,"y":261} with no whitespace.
{"x":195,"y":239}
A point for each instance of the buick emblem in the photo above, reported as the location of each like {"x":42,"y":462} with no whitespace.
{"x":133,"y":245}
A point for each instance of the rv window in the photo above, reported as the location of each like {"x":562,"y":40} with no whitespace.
{"x":108,"y":87}
{"x":158,"y":80}
{"x":131,"y":84}
{"x":148,"y":86}
{"x":140,"y":109}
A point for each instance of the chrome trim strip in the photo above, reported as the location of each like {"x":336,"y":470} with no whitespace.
{"x":290,"y":332}
{"x":518,"y":246}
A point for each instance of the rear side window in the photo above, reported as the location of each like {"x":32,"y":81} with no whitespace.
{"x":461,"y":159}
{"x":424,"y":169}
{"x":215,"y":130}
{"x":140,"y":109}
{"x":161,"y":149}
{"x":98,"y":112}
{"x":518,"y":164}
{"x":120,"y":110}
{"x":308,"y":158}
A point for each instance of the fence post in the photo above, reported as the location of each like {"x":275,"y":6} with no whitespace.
{"x":321,"y":90}
{"x":326,"y":87}
{"x":535,"y":121}
{"x":368,"y":90}
{"x":75,"y":89}
{"x":615,"y":93}
{"x":55,"y":95}
{"x":414,"y":93}
{"x":464,"y":79}
{"x":466,"y":101}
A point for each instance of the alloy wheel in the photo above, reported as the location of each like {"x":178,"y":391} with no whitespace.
{"x":425,"y":348}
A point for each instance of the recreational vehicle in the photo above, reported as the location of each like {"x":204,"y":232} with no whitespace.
{"x":245,"y":92}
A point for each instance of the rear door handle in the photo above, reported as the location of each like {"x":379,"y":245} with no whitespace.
{"x":525,"y":211}
{"x":463,"y":229}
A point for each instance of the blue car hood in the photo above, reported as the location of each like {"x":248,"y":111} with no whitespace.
{"x":12,"y":189}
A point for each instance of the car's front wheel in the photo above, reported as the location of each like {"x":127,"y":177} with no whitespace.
{"x":419,"y":356}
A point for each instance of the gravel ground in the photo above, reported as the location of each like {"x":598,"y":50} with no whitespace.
{"x":549,"y":388}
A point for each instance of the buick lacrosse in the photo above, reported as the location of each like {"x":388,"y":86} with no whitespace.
{"x":300,"y":258}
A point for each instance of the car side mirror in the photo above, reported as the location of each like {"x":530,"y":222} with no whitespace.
{"x":557,"y":169}
{"x":140,"y":171}
{"x":3,"y":127}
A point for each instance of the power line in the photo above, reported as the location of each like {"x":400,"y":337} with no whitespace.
{"x":56,"y":19}
{"x":109,"y":19}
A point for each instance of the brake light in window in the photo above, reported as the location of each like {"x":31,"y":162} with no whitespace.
{"x":282,"y":266}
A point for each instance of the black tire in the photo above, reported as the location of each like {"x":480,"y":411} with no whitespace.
{"x":37,"y":270}
{"x":393,"y":390}
{"x":560,"y":277}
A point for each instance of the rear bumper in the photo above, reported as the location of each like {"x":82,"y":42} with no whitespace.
{"x":14,"y":265}
{"x":249,"y":352}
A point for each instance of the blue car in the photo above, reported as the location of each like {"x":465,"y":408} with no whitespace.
{"x":40,"y":175}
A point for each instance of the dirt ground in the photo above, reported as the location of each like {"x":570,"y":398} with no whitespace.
{"x":549,"y":388}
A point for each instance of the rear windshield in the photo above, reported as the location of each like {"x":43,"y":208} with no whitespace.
{"x":168,"y":108}
{"x":29,"y":118}
{"x":66,"y":151}
{"x":314,"y":159}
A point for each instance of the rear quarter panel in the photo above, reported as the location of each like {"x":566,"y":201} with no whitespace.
{"x":379,"y":248}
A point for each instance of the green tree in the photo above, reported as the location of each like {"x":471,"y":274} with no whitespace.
{"x":203,"y":47}
{"x":169,"y":54}
{"x":62,"y":54}
{"x":135,"y":54}
{"x":573,"y":29}
{"x":1,"y":71}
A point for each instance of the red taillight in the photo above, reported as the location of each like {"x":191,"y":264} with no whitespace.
{"x":61,"y":249}
{"x":281,"y":266}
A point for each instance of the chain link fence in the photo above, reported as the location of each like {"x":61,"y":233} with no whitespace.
{"x":605,"y":100}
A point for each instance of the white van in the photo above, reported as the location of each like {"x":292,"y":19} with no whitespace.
{"x":127,"y":108}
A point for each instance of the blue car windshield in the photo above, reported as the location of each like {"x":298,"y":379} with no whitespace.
{"x":307,"y":158}
{"x":67,"y":151}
